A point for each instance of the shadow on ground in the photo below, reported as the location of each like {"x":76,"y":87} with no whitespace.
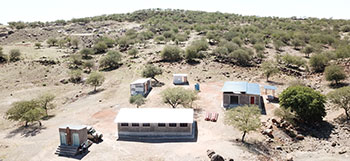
{"x":30,"y":130}
{"x":339,"y":85}
{"x":255,"y":147}
{"x":320,"y":130}
{"x":97,"y":91}
{"x":48,"y":117}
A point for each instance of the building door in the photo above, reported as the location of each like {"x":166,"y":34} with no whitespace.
{"x":252,"y":100}
{"x":63,"y":138}
{"x":75,"y":139}
{"x":233,"y":99}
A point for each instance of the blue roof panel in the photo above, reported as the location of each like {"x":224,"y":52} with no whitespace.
{"x":270,"y":87}
{"x":239,"y":87}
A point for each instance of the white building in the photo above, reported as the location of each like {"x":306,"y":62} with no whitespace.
{"x":141,"y":86}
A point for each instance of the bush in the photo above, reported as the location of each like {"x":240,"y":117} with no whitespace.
{"x":138,"y":100}
{"x":89,"y":64}
{"x":62,"y":43}
{"x":335,"y":73}
{"x":159,"y":38}
{"x":171,"y":53}
{"x":191,"y":53}
{"x":241,"y":57}
{"x":95,"y":79}
{"x":145,"y":35}
{"x":168,"y":34}
{"x":133,"y":52}
{"x":3,"y":57}
{"x":25,"y":111}
{"x":181,"y":37}
{"x":100,"y":47}
{"x":307,"y":103}
{"x":221,"y":52}
{"x":111,"y":60}
{"x":308,"y":50}
{"x":278,"y":44}
{"x":259,"y":47}
{"x":231,"y":46}
{"x":108,"y":41}
{"x":318,"y":62}
{"x":86,"y":52}
{"x":76,"y":60}
{"x":124,"y":42}
{"x":75,"y":75}
{"x":285,"y":114}
{"x":179,"y":96}
{"x":75,"y":42}
{"x":52,"y":42}
{"x":346,"y":28}
{"x":341,"y":97}
{"x":38,"y":45}
{"x":291,"y":60}
{"x":237,"y":41}
{"x":151,"y":71}
{"x":14,"y":55}
{"x":269,"y":68}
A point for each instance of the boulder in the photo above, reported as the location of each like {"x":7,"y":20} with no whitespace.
{"x":217,"y":157}
{"x":210,"y":153}
{"x":299,"y":137}
{"x":278,"y":148}
{"x":230,"y":159}
{"x":334,"y":143}
{"x":342,"y":151}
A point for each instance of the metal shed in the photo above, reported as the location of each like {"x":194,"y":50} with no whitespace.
{"x":180,"y":79}
{"x":240,"y":93}
{"x":141,"y":86}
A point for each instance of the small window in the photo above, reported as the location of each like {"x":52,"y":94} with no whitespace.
{"x":135,"y":124}
{"x":146,"y":124}
{"x":124,"y":124}
{"x":172,"y":125}
{"x":161,"y":124}
{"x":183,"y":124}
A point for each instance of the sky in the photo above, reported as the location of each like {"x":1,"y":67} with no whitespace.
{"x":51,"y":10}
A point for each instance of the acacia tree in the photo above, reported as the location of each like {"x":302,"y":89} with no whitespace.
{"x":86,"y":52}
{"x":335,"y":73}
{"x":269,"y":68}
{"x":341,"y":97}
{"x":95,"y":79}
{"x":26,"y":111}
{"x":244,"y":118}
{"x":45,"y":102}
{"x":179,"y":96}
{"x":138,"y":100}
{"x":151,"y":71}
{"x":111,"y":60}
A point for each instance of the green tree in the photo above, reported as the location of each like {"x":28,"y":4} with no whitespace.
{"x":89,"y":64}
{"x":111,"y":60}
{"x":341,"y":98}
{"x":95,"y":79}
{"x":191,"y":53}
{"x":171,"y":53}
{"x":307,"y":103}
{"x":15,"y":55}
{"x":52,"y":42}
{"x":151,"y":71}
{"x":38,"y":45}
{"x":100,"y":47}
{"x":318,"y":62}
{"x":335,"y":73}
{"x":133,"y":52}
{"x":179,"y":96}
{"x":75,"y":75}
{"x":244,"y":118}
{"x":308,"y":50}
{"x":86,"y":52}
{"x":270,"y":68}
{"x":25,"y":111}
{"x":45,"y":101}
{"x":138,"y":100}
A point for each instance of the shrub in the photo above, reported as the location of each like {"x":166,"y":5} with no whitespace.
{"x":318,"y":62}
{"x":308,"y":50}
{"x":285,"y":114}
{"x":3,"y":57}
{"x":181,"y":37}
{"x":269,"y":68}
{"x":100,"y":47}
{"x":89,"y":64}
{"x":307,"y":103}
{"x":45,"y":102}
{"x":95,"y":79}
{"x":17,"y":25}
{"x":76,"y":60}
{"x":237,"y":41}
{"x":221,"y":51}
{"x":200,"y":45}
{"x":241,"y":57}
{"x":61,"y":43}
{"x":86,"y":52}
{"x":244,"y":118}
{"x":25,"y":111}
{"x":111,"y":60}
{"x":259,"y":47}
{"x":75,"y":42}
{"x":38,"y":45}
{"x":133,"y":52}
{"x":52,"y":42}
{"x":171,"y":53}
{"x":168,"y":34}
{"x":145,"y":35}
{"x":14,"y":55}
{"x":335,"y":73}
{"x":278,"y":44}
{"x":191,"y":53}
{"x":124,"y":42}
{"x":138,"y":100}
{"x":179,"y":96}
{"x":291,"y":60}
{"x":159,"y":38}
{"x":108,"y":41}
{"x":151,"y":71}
{"x":75,"y":76}
{"x":341,"y":98}
{"x":346,"y":28}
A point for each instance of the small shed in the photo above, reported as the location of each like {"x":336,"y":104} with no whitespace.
{"x":72,"y":135}
{"x":156,"y":123}
{"x":141,"y":86}
{"x":180,"y":79}
{"x":240,"y":93}
{"x":272,"y":88}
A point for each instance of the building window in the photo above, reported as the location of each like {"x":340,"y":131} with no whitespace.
{"x":135,"y":124}
{"x":183,"y":124}
{"x":146,"y":124}
{"x":172,"y":125}
{"x":124,"y":124}
{"x":161,"y":124}
{"x":233,"y":99}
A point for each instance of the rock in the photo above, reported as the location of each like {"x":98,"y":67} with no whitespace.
{"x":217,"y":157}
{"x":334,"y":143}
{"x":64,"y":81}
{"x":342,"y":151}
{"x":269,"y":140}
{"x":99,"y":100}
{"x":289,"y":158}
{"x":278,"y":148}
{"x":210,"y":153}
{"x":230,"y":159}
{"x":299,"y":137}
{"x":268,"y":132}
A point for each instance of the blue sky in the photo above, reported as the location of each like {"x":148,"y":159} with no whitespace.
{"x":50,"y":10}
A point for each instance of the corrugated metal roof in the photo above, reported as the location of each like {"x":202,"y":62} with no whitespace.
{"x":181,"y":75}
{"x":241,"y":87}
{"x":270,"y":87}
{"x":154,"y":115}
{"x":143,"y":80}
{"x":74,"y":127}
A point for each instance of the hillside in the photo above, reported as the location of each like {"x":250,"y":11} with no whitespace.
{"x":210,"y":47}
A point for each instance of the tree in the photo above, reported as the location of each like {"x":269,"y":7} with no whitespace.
{"x":241,"y":57}
{"x":26,"y":111}
{"x":151,"y":71}
{"x":138,"y":100}
{"x":269,"y":68}
{"x":335,"y":73}
{"x":307,"y":103}
{"x":308,"y":50}
{"x":3,"y":57}
{"x":95,"y":79}
{"x":52,"y":42}
{"x":45,"y":102}
{"x":86,"y":52}
{"x":171,"y":53}
{"x":14,"y":55}
{"x":244,"y":118}
{"x":111,"y":60}
{"x":133,"y":52}
{"x":341,"y":97}
{"x":75,"y":75}
{"x":191,"y":53}
{"x":89,"y":64}
{"x":179,"y":96}
{"x":37,"y":45}
{"x":75,"y":42}
{"x":100,"y":47}
{"x":318,"y":62}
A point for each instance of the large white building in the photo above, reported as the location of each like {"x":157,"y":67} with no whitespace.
{"x":155,"y":123}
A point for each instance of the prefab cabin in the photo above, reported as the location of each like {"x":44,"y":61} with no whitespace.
{"x":240,"y":93}
{"x":141,"y":86}
{"x":180,"y":79}
{"x":72,"y":135}
{"x":155,"y":123}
